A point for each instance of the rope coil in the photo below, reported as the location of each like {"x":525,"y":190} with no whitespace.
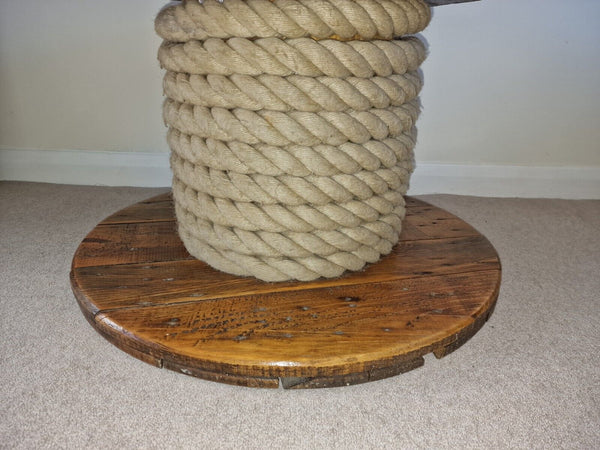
{"x":291,"y":93}
{"x":289,"y":19}
{"x":291,"y":128}
{"x":301,"y":56}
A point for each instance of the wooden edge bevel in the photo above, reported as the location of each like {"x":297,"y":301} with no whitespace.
{"x":470,"y":330}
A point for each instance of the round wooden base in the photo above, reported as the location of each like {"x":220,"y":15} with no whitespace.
{"x":141,"y":290}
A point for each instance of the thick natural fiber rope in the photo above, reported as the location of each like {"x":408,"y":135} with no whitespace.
{"x":296,"y":160}
{"x":287,"y":189}
{"x":297,"y":127}
{"x":301,"y":56}
{"x":292,"y":93}
{"x":320,"y":19}
{"x":326,"y":251}
{"x":290,"y":155}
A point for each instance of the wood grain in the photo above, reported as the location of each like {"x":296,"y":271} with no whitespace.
{"x":140,"y":289}
{"x":155,"y":209}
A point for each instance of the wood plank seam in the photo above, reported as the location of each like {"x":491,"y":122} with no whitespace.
{"x":296,"y":288}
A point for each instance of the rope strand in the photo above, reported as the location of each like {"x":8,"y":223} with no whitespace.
{"x":288,"y":19}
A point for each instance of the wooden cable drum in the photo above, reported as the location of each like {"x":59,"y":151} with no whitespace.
{"x":140,"y":289}
{"x":287,"y":254}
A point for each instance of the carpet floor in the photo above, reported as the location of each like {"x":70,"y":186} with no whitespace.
{"x":530,"y":378}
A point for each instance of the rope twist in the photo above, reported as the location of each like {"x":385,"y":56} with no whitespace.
{"x":292,"y":129}
{"x":289,"y":19}
{"x":292,"y":93}
{"x":302,"y":56}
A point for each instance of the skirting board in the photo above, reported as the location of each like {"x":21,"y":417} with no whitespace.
{"x":152,"y":170}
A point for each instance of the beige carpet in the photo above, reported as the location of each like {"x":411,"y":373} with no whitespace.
{"x":529,"y":379}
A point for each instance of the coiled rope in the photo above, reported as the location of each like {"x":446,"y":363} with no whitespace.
{"x":291,"y":128}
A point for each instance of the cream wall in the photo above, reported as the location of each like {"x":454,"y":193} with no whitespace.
{"x":513,"y":82}
{"x":508,"y":82}
{"x":80,"y":74}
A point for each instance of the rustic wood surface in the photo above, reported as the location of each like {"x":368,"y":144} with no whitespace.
{"x":140,"y":289}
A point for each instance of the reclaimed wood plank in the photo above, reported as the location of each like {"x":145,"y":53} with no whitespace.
{"x":436,"y":223}
{"x":321,"y":332}
{"x":136,"y":236}
{"x":130,"y":243}
{"x":222,"y":377}
{"x":156,"y":209}
{"x":150,"y":284}
{"x":373,"y":374}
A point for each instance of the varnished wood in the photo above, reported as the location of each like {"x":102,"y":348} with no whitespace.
{"x":140,"y":289}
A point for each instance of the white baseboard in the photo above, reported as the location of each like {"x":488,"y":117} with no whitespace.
{"x":507,"y":181}
{"x":86,"y":167}
{"x":152,"y":170}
